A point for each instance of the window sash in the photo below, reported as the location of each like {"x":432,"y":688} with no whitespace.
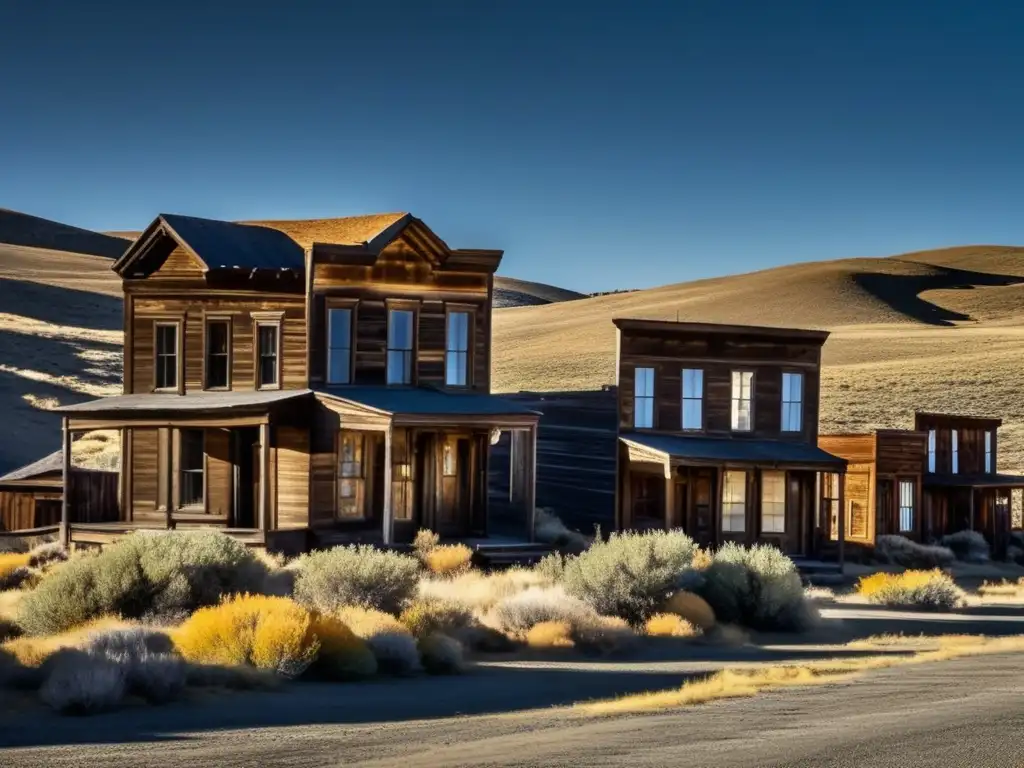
{"x":693,"y":399}
{"x":931,"y":450}
{"x":741,"y":411}
{"x":218,"y":354}
{"x":457,"y":350}
{"x":339,"y":345}
{"x":166,"y":372}
{"x":773,"y":502}
{"x":734,"y":501}
{"x":792,"y":401}
{"x":400,"y":346}
{"x":643,"y":398}
{"x":988,"y":452}
{"x":956,"y":452}
{"x":191,"y":455}
{"x":906,"y":506}
{"x":268,"y":343}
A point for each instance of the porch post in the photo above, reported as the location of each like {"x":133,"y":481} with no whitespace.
{"x":669,"y":495}
{"x":65,"y":501}
{"x":842,"y":519}
{"x":531,"y":484}
{"x":387,"y":510}
{"x":264,"y":498}
{"x":970,"y":508}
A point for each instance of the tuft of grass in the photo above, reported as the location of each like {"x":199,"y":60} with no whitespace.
{"x":424,"y":617}
{"x":448,"y":559}
{"x":928,"y":590}
{"x":479,"y":592}
{"x":670,"y":625}
{"x":34,"y":650}
{"x":550,"y":634}
{"x":1005,"y":590}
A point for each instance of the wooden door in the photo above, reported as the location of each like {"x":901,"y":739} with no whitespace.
{"x":885,"y":517}
{"x":700,"y":513}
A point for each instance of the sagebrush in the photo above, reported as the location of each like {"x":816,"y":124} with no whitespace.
{"x":928,"y":590}
{"x":899,"y":550}
{"x":356,"y":575}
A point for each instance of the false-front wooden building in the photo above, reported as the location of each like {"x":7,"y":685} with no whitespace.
{"x":937,"y":479}
{"x":295,"y":391}
{"x":718,"y":431}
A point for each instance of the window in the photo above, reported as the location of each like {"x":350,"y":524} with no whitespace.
{"x":400,"y":330}
{"x":734,"y":501}
{"x":742,"y":406}
{"x":773,"y":502}
{"x":906,"y":506}
{"x":190,"y":466}
{"x":449,"y":463}
{"x":166,"y":356}
{"x":830,"y":503}
{"x":456,"y":358}
{"x":401,"y":491}
{"x":643,"y":398}
{"x":956,"y":452}
{"x":989,"y":463}
{"x":218,"y":354}
{"x":693,"y":399}
{"x":267,"y":341}
{"x":931,"y":450}
{"x":350,"y":475}
{"x":339,"y":346}
{"x":792,"y":402}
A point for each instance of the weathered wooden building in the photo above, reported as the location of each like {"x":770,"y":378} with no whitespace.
{"x":295,"y":394}
{"x":937,"y":479}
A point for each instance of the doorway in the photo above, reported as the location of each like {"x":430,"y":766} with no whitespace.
{"x":245,"y":452}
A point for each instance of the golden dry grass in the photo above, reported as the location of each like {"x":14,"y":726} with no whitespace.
{"x":10,"y":561}
{"x":550,"y":634}
{"x":1005,"y":590}
{"x":670,"y":625}
{"x":693,"y":608}
{"x":448,"y":559}
{"x":32,"y":650}
{"x":739,"y":682}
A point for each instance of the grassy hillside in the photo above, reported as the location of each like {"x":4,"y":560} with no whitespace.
{"x":32,"y":231}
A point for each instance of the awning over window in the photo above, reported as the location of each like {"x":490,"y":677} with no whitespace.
{"x":681,"y":449}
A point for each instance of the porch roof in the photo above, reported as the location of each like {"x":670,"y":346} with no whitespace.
{"x":974,"y":480}
{"x":401,"y":402}
{"x":713,"y":450}
{"x":192,"y":403}
{"x":54,"y":462}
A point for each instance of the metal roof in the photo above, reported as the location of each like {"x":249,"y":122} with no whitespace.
{"x":52,"y":463}
{"x":197,"y":401}
{"x":739,"y":450}
{"x":975,"y":480}
{"x":421,"y":401}
{"x":227,"y":245}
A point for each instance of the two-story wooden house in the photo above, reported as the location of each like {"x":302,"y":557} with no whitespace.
{"x":717,"y":433}
{"x":297,"y":391}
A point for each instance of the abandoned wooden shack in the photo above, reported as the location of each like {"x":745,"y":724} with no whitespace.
{"x":304,"y":394}
{"x":30,"y":497}
{"x":937,"y":479}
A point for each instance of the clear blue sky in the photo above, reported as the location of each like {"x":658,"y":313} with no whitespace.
{"x":601,"y":145}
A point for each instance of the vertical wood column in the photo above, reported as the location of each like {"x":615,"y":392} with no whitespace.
{"x":970,"y":507}
{"x":531,"y":484}
{"x":387,"y":514}
{"x":264,"y":497}
{"x":669,"y":495}
{"x":65,"y":499}
{"x":168,"y":439}
{"x":842,"y":519}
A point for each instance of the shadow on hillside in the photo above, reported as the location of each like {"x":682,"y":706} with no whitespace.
{"x":23,"y":229}
{"x":47,"y":368}
{"x":902,"y":292}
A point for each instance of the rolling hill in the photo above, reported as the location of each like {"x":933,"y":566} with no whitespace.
{"x":939,"y":330}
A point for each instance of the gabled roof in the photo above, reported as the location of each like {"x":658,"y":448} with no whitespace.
{"x":348,"y":230}
{"x":724,"y":450}
{"x":52,"y":463}
{"x":219,"y":244}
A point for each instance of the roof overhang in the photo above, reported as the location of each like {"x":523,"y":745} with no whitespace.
{"x":766,"y":332}
{"x":973,"y":481}
{"x":422,"y":407}
{"x":149,"y":239}
{"x":674,"y":450}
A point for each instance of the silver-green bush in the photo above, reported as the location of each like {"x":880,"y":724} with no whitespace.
{"x":523,"y":610}
{"x":758,"y":587}
{"x":357,"y":575}
{"x":630,"y":574}
{"x":967,"y":546}
{"x":81,"y":683}
{"x":165,"y":575}
{"x":899,"y":550}
{"x":441,"y":654}
{"x":937,"y":593}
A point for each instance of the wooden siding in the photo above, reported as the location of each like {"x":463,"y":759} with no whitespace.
{"x":180,"y":264}
{"x":144,"y":470}
{"x":860,"y":503}
{"x":901,"y":452}
{"x":93,"y":495}
{"x":219,"y":473}
{"x":293,"y":470}
{"x":147,"y":310}
{"x":19,"y":510}
{"x":668,"y":353}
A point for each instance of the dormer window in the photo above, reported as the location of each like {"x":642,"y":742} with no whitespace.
{"x":400,"y":346}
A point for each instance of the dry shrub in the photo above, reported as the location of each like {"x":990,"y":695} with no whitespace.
{"x":18,"y":578}
{"x":670,"y":625}
{"x":479,"y":592}
{"x":12,"y":563}
{"x":271,"y":633}
{"x":356,"y":575}
{"x":606,"y":635}
{"x":390,"y":640}
{"x":550,"y":634}
{"x":702,"y":560}
{"x":518,"y":613}
{"x":150,"y":667}
{"x":549,"y":529}
{"x":46,"y":555}
{"x":343,"y":654}
{"x":425,"y":542}
{"x":425,"y":617}
{"x":448,"y":559}
{"x":631,"y":574}
{"x":928,"y":590}
{"x":693,"y":608}
{"x":727,"y":634}
{"x":82,"y":683}
{"x":1005,"y":589}
{"x":899,"y":550}
{"x":967,"y":546}
{"x":441,"y":654}
{"x":8,"y":630}
{"x":33,"y":650}
{"x":482,"y":639}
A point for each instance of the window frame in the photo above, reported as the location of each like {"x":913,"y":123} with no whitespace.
{"x":954,"y":452}
{"x":830,"y":483}
{"x":932,"y":450}
{"x":267,"y":320}
{"x":990,"y":452}
{"x":799,"y":375}
{"x":352,"y":306}
{"x":775,"y":502}
{"x":358,"y":480}
{"x":413,"y":307}
{"x":644,"y":397}
{"x":683,"y":399}
{"x":179,"y":471}
{"x":178,"y":323}
{"x":470,"y":312}
{"x":209,"y":320}
{"x":911,"y":509}
{"x":732,"y":503}
{"x":733,"y":413}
